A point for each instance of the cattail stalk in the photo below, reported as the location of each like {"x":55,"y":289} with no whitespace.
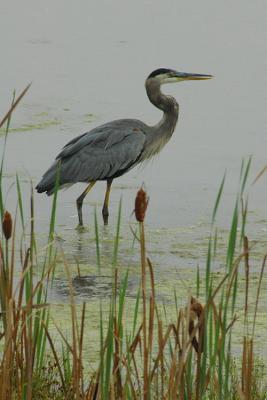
{"x":143,"y":266}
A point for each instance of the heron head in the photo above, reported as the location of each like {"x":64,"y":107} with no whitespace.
{"x":164,"y":75}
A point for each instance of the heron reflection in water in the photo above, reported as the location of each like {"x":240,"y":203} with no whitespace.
{"x":112,"y":149}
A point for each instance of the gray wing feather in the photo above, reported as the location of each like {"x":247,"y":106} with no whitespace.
{"x":101,"y":153}
{"x":103,"y":136}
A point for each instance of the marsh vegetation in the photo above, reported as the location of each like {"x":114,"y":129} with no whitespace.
{"x":144,"y":348}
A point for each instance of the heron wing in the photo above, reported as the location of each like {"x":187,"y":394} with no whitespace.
{"x":102,"y":153}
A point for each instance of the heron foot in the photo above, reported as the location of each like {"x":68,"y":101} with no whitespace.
{"x":80,"y":220}
{"x":81,"y":228}
{"x":105,"y":215}
{"x":79,"y":204}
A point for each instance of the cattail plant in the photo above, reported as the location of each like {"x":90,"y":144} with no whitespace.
{"x":5,"y":277}
{"x":141,"y":203}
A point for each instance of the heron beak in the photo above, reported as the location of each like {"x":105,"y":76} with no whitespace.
{"x":192,"y":77}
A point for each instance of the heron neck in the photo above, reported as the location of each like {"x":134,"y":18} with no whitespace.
{"x":157,"y":136}
{"x":165,"y":103}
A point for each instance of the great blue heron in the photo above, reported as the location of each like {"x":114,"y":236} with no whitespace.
{"x":112,"y":149}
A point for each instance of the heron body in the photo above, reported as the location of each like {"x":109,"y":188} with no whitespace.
{"x":110,"y":150}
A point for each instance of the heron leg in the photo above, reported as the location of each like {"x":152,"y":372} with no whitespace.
{"x":79,"y":202}
{"x":105,"y":212}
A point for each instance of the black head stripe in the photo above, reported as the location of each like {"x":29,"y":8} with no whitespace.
{"x":159,"y":71}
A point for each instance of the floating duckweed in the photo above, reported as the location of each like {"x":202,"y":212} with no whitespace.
{"x":89,"y":117}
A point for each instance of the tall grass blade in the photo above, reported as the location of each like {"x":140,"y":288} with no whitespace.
{"x":218,"y":199}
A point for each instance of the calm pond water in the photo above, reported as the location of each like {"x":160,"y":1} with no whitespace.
{"x":88,"y":63}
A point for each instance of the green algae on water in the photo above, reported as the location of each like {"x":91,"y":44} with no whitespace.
{"x":32,"y":127}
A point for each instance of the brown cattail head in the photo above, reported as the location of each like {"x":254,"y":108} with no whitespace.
{"x":7,"y":225}
{"x":195,"y":314}
{"x":196,"y":307}
{"x":141,"y":202}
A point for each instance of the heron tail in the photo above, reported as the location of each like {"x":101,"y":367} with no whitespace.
{"x":49,"y":189}
{"x":48,"y":182}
